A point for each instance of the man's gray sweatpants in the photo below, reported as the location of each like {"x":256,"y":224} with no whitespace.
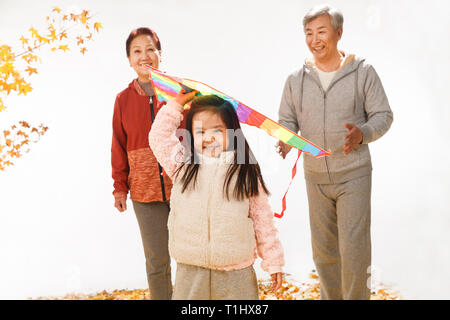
{"x":340,"y":231}
{"x":152,"y":219}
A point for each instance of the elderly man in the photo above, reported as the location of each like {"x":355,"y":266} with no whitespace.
{"x":337,"y":101}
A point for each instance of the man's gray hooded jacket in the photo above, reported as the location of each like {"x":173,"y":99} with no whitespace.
{"x":354,"y":96}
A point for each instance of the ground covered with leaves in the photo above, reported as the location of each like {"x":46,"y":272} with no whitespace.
{"x":290,"y":290}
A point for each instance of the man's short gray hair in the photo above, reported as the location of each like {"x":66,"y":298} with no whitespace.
{"x":336,"y":17}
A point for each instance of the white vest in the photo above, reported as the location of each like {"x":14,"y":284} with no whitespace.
{"x":206,"y":229}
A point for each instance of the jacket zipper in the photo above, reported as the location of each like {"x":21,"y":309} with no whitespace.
{"x":319,"y":84}
{"x":161,"y":179}
{"x":324,"y":93}
{"x":324,"y":113}
{"x":324,"y":134}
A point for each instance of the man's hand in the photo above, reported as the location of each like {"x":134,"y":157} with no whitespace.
{"x":277,"y":279}
{"x":283,"y":149}
{"x":352,"y":139}
{"x":120,"y":202}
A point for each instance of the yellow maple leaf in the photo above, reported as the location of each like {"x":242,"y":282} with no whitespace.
{"x":63,"y":47}
{"x":25,"y":88}
{"x":43,"y":39}
{"x":13,"y":153}
{"x":34,"y":32}
{"x":31,"y":70}
{"x":7,"y":69}
{"x":24,"y":40}
{"x":8,"y":87}
{"x":30,"y":57}
{"x":56,"y":9}
{"x":52,"y":34}
{"x":83,"y":50}
{"x":84,"y":16}
{"x":97,"y":26}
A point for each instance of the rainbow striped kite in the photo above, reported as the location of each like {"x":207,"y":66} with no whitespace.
{"x":167,"y":87}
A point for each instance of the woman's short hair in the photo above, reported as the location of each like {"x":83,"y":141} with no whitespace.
{"x":336,"y":17}
{"x":140,"y":31}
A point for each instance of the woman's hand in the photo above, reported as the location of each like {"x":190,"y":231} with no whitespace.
{"x":277,"y":279}
{"x":120,"y":202}
{"x":183,"y":98}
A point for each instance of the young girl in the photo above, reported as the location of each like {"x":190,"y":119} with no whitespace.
{"x":220,"y":217}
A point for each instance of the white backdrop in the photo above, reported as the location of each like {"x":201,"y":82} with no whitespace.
{"x":59,"y":231}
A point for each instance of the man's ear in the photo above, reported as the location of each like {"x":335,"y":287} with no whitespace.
{"x":339,"y":32}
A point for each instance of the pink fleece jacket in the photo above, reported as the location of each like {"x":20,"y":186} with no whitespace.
{"x":170,"y":153}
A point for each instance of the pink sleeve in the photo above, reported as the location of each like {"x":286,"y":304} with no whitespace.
{"x":165,"y":145}
{"x":267,"y":243}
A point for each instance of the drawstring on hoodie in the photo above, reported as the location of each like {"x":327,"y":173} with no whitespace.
{"x":302,"y":79}
{"x":356,"y":91}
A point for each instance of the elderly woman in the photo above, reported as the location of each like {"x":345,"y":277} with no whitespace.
{"x":134,"y":167}
{"x":337,"y":100}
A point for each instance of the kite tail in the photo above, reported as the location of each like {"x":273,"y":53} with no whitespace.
{"x":283,"y":202}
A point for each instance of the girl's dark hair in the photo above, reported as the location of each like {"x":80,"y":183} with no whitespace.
{"x":141,"y":31}
{"x":247,"y":169}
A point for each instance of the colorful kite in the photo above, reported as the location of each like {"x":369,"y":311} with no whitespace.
{"x":167,"y":87}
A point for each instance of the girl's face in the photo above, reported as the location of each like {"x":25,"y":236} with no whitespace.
{"x":143,"y":51}
{"x":209,"y":134}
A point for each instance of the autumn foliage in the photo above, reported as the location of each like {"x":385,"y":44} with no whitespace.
{"x":63,"y":31}
{"x":290,"y":290}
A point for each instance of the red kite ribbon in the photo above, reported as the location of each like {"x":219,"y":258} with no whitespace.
{"x":294,"y":171}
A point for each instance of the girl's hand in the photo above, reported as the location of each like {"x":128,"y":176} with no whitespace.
{"x":183,"y":98}
{"x":277,"y":279}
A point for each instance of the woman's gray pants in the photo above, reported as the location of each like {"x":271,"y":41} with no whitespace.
{"x":152,"y":219}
